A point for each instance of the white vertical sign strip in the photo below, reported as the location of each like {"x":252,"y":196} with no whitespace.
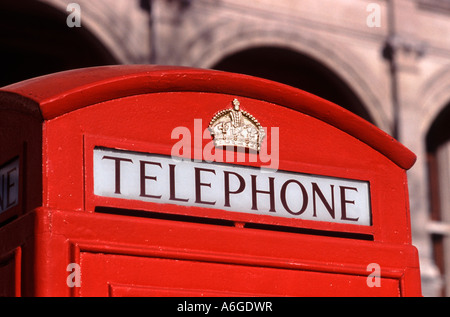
{"x":9,"y":185}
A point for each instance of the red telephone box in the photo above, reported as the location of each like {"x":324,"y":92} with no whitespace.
{"x":169,"y":181}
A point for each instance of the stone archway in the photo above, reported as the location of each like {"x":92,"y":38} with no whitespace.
{"x":297,"y":70}
{"x":37,"y":41}
{"x":222,"y":41}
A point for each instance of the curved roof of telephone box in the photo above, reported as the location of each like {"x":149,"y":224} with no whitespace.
{"x":53,"y":95}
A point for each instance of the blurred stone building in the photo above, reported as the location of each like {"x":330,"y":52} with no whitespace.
{"x":387,"y":61}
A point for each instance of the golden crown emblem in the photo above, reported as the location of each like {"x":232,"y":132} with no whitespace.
{"x":234,"y":127}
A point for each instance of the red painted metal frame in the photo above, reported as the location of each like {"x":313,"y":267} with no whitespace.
{"x":58,"y":224}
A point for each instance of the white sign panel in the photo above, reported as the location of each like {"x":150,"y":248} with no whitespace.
{"x":9,"y":185}
{"x":162,"y":179}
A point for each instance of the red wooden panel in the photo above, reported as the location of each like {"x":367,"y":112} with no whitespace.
{"x":139,"y":256}
{"x":10,"y":274}
{"x":173,"y":277}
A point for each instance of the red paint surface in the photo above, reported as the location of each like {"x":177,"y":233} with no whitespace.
{"x":62,"y":117}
